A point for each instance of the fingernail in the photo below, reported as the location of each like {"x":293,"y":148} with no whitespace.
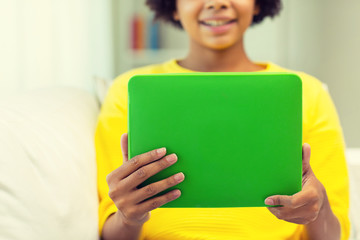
{"x":176,"y":193}
{"x":171,"y":158}
{"x":161,"y":150}
{"x":269,"y":201}
{"x":179,"y":177}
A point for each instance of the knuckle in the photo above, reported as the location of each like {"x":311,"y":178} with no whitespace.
{"x":120,"y":203}
{"x":277,"y":201}
{"x":316,"y":208}
{"x":135,"y":161}
{"x":281,"y":216}
{"x":155,"y":204}
{"x":112,"y":193}
{"x":170,"y":181}
{"x":153,"y":153}
{"x":108,"y":178}
{"x":150,"y":189}
{"x":162,"y":164}
{"x":169,"y":197}
{"x":115,"y":190}
{"x":291,"y":203}
{"x":314,"y":213}
{"x":313,"y":194}
{"x":141,"y":173}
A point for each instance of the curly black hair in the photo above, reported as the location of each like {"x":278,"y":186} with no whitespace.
{"x":164,"y":10}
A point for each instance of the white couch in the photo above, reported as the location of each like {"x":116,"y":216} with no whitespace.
{"x":353,"y":158}
{"x":48,"y":168}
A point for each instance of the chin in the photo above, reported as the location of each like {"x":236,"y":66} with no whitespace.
{"x":221,"y":43}
{"x":220,"y":46}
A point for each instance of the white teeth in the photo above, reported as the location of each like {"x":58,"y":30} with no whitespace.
{"x":215,"y":23}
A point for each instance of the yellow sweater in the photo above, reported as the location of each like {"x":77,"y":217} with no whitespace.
{"x":321,"y":129}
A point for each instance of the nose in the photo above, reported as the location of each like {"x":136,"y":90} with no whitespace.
{"x":217,"y":4}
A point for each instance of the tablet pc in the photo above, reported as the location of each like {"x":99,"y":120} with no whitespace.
{"x":238,"y":136}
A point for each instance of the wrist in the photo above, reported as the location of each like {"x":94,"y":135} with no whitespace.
{"x":121,"y":220}
{"x":326,"y":225}
{"x":325,"y":209}
{"x":116,"y":228}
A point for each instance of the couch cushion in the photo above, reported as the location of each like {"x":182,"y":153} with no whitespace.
{"x":48,"y":168}
{"x":353,"y":158}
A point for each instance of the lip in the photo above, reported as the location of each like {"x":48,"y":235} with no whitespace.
{"x":219,"y":18}
{"x":218,"y":29}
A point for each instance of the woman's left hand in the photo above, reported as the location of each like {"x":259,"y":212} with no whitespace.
{"x":303,"y":207}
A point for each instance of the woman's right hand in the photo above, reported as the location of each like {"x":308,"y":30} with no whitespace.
{"x":132,"y":202}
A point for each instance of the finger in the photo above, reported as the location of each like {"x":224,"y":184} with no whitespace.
{"x":124,"y":147}
{"x":298,"y":221}
{"x":155,"y":188}
{"x":306,"y":152}
{"x":156,"y":202}
{"x":279,"y":200}
{"x":285,"y":214}
{"x":135,"y":163}
{"x":302,"y":214}
{"x":275,"y":211}
{"x":143,"y":173}
{"x":297,"y":200}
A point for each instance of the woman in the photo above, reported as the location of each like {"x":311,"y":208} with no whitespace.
{"x":216,"y":31}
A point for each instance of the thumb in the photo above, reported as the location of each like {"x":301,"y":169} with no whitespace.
{"x":124,"y":147}
{"x":306,"y":152}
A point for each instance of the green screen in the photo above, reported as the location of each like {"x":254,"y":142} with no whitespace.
{"x":238,"y":136}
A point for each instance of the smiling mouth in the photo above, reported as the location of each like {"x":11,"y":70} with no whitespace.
{"x":217,"y":23}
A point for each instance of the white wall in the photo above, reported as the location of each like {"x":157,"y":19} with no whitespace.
{"x":268,"y":41}
{"x":321,"y":38}
{"x":340,"y":51}
{"x":53,"y":42}
{"x":325,"y":43}
{"x":49,"y":42}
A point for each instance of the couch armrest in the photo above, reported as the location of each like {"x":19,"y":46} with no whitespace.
{"x":48,"y":168}
{"x":353,"y":159}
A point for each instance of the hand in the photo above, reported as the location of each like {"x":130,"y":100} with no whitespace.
{"x":133,"y":203}
{"x":303,"y":207}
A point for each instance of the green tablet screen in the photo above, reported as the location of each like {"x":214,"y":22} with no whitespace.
{"x":238,"y":136}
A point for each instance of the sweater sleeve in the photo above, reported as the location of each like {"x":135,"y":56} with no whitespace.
{"x":324,"y":134}
{"x":112,"y":123}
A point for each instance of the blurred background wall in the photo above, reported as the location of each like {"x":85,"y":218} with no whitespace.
{"x":72,"y":42}
{"x":51,"y":42}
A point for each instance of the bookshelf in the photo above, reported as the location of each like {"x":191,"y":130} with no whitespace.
{"x":138,"y":42}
